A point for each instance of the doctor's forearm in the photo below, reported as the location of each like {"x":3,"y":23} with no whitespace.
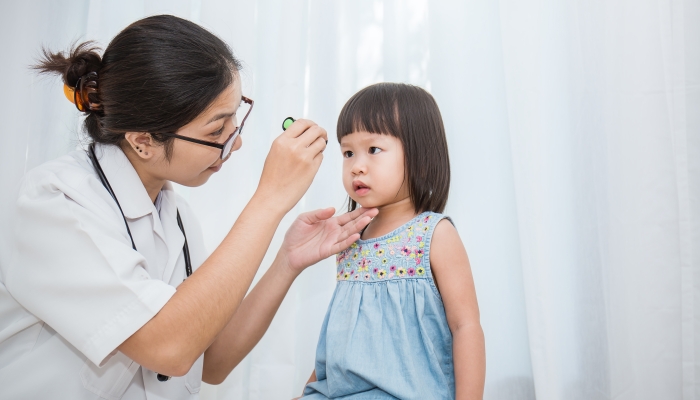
{"x":248,"y":324}
{"x":202,"y":305}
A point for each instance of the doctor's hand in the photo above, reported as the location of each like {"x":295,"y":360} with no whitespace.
{"x":291,"y":164}
{"x":317,"y":235}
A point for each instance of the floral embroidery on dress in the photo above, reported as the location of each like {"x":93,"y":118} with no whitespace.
{"x":398,"y":255}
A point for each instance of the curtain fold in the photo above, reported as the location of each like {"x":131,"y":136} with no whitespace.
{"x":574,"y":134}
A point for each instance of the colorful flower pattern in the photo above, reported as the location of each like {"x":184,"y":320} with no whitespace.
{"x":399,"y":256}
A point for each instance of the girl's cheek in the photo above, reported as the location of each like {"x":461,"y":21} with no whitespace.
{"x":347,"y":185}
{"x":347,"y":177}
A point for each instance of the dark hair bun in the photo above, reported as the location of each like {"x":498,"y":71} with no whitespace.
{"x":155,"y":76}
{"x":79,"y":61}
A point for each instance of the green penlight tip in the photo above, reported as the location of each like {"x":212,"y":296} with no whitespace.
{"x":287,"y":123}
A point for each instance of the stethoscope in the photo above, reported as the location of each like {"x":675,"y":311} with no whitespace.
{"x":105,"y":183}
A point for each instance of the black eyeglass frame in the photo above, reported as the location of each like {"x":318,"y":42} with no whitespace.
{"x":230,"y":139}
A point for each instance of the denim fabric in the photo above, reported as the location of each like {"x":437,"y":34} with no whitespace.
{"x":385,"y":335}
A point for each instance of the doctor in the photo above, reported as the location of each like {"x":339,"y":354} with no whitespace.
{"x":110,"y":294}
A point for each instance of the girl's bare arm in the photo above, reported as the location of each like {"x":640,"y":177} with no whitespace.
{"x":451,"y":270}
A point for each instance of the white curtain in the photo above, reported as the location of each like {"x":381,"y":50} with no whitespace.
{"x":574,"y":134}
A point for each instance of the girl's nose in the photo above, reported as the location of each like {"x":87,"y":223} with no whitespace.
{"x":358,"y":168}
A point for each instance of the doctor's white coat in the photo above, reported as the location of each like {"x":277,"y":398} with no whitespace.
{"x":75,"y":289}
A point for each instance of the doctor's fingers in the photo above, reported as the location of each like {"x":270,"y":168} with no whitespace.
{"x":354,"y":226}
{"x":306,"y":131}
{"x":311,"y":135}
{"x":356,"y":215}
{"x":341,"y":245}
{"x":298,"y":128}
{"x":317,"y":147}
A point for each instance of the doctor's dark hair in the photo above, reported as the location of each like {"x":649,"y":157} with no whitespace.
{"x":410,"y":114}
{"x":155,"y":76}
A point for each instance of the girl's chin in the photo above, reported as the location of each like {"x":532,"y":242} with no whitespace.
{"x":367,"y":202}
{"x":364,"y":203}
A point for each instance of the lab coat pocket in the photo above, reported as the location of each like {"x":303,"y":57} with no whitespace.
{"x":112,"y":379}
{"x":193,"y":379}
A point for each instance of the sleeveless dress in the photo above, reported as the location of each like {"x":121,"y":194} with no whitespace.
{"x":385,"y":335}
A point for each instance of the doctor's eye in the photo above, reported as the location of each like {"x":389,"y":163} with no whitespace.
{"x":347,"y":154}
{"x":218,"y":133}
{"x":374,"y":150}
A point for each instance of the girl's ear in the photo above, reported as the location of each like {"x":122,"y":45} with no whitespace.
{"x":141,"y":143}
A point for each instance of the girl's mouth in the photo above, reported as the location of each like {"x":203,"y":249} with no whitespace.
{"x":216,"y":168}
{"x":360,"y":188}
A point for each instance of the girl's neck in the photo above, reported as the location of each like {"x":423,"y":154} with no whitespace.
{"x":390,"y":217}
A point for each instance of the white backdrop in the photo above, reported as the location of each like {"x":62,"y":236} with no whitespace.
{"x":574,"y":133}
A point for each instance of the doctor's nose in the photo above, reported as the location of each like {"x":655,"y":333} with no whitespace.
{"x":238,"y":144}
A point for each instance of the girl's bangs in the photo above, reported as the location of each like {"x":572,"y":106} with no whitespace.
{"x":369,"y":111}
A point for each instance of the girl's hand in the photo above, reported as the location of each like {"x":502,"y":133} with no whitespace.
{"x":291,"y":164}
{"x":314,"y":235}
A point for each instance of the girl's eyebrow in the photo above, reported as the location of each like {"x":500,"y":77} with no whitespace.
{"x":345,"y":145}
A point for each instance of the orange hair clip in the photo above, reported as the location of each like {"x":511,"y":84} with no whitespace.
{"x":69,"y":92}
{"x":78,"y":95}
{"x":72,"y":96}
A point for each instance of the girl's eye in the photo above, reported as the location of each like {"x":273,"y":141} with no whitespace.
{"x":374,"y":150}
{"x":347,"y":154}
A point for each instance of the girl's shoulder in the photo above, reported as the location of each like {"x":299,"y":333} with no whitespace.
{"x":446,"y":248}
{"x":431,"y":219}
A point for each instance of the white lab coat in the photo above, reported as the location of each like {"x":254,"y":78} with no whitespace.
{"x":75,"y":289}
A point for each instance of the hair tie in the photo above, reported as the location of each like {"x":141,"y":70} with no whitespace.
{"x":80,"y":94}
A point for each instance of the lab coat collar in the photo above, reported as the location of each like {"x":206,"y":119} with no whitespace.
{"x":170,"y":232}
{"x":132,"y":195}
{"x":135,"y":202}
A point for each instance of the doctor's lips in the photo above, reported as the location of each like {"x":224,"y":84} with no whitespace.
{"x":360,"y":188}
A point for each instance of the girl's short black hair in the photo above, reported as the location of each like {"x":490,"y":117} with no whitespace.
{"x":410,"y":114}
{"x":156,"y":75}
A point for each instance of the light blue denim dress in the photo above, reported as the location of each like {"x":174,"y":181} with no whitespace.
{"x":385,"y":335}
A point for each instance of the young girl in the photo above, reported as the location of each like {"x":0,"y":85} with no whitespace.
{"x":403,"y":322}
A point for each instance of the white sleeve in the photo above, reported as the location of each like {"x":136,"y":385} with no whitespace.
{"x":75,"y":270}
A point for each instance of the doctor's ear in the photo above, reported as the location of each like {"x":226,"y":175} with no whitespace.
{"x":141,"y":143}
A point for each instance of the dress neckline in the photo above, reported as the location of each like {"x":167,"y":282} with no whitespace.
{"x":392,"y":233}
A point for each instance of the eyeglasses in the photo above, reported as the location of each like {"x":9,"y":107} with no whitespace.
{"x":245,"y":107}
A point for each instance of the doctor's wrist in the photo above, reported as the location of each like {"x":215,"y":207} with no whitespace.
{"x":269,"y":203}
{"x":284,"y":268}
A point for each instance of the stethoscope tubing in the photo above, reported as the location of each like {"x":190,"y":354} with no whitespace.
{"x":105,"y":182}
